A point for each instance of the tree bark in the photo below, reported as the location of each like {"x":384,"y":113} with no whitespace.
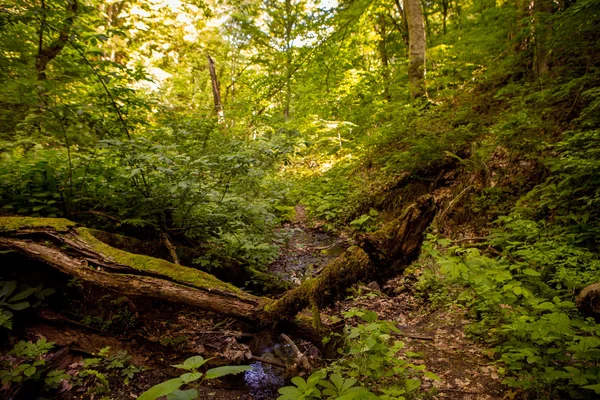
{"x":164,"y":235}
{"x":417,"y":48}
{"x":380,"y":256}
{"x":83,"y":262}
{"x":381,"y":28}
{"x":404,"y":29}
{"x":289,"y":26}
{"x":588,"y":300}
{"x":215,"y":89}
{"x":445,"y":7}
{"x":47,"y":54}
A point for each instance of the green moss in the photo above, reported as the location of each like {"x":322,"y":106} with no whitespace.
{"x":268,"y":282}
{"x":16,"y":223}
{"x":176,"y":273}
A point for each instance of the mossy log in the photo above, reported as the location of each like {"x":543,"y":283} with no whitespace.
{"x":76,"y":252}
{"x":588,"y":300}
{"x":380,"y":256}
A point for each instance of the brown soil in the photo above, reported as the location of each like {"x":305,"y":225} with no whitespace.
{"x":157,"y":336}
{"x":438,"y":337}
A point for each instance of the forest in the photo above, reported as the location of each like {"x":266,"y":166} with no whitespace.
{"x":299,"y":199}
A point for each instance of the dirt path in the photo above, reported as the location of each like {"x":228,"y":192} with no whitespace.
{"x":438,"y":336}
{"x":464,"y":366}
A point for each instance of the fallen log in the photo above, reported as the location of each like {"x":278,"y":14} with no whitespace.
{"x":74,"y":251}
{"x":380,"y":256}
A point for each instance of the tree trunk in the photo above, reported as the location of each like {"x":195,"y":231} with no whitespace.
{"x":541,"y":27}
{"x":417,"y":48}
{"x":47,"y":54}
{"x":404,"y":29}
{"x":289,"y":27}
{"x":76,"y":252}
{"x":381,"y":28}
{"x":215,"y":89}
{"x":101,"y":265}
{"x":445,"y":6}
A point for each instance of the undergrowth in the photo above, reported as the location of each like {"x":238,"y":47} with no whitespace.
{"x":369,"y":366}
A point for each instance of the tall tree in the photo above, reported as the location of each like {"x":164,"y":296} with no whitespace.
{"x":417,"y":48}
{"x":49,"y":53}
{"x":215,"y":89}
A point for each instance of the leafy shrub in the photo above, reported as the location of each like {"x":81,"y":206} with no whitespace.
{"x":16,"y":301}
{"x":366,"y":222}
{"x":521,"y":303}
{"x":97,"y":372}
{"x":27,"y":363}
{"x":369,"y":364}
{"x":171,"y":387}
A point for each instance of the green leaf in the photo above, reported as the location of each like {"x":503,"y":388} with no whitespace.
{"x":162,"y":389}
{"x":348,"y":383}
{"x":8,"y":288}
{"x":431,"y":375}
{"x":21,"y":295}
{"x":45,"y":292}
{"x":192,"y":363}
{"x":517,"y":290}
{"x":595,"y":388}
{"x":189,"y":394}
{"x":191,"y":377}
{"x":412,"y":384}
{"x":301,"y":383}
{"x":531,"y":272}
{"x":338,"y":381}
{"x":290,"y":391}
{"x":19,"y":306}
{"x":30,"y":371}
{"x":226,"y":370}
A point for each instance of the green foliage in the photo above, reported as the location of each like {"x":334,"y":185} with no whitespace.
{"x":326,"y":200}
{"x":366,"y":222}
{"x":26,"y":363}
{"x":171,"y":387}
{"x":97,"y":372}
{"x":13,"y":300}
{"x":369,"y":363}
{"x":522,"y":305}
{"x":335,"y":387}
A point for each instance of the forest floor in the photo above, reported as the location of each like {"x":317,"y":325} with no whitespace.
{"x":156,"y":336}
{"x":436,"y":334}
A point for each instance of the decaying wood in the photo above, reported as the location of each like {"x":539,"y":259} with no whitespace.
{"x":270,"y":362}
{"x":84,"y":263}
{"x":588,"y":300}
{"x":169,"y":246}
{"x":75,"y":252}
{"x":300,"y":359}
{"x":381,"y":255}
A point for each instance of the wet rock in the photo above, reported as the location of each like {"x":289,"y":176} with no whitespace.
{"x":263,"y":381}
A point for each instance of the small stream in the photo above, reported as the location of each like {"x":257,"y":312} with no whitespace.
{"x":263,"y":379}
{"x":307,"y":253}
